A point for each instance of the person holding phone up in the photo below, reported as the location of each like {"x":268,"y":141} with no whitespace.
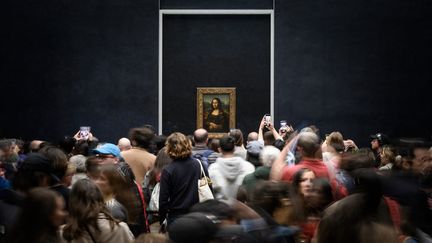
{"x":279,"y":141}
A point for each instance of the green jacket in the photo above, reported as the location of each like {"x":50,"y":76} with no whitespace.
{"x":261,"y":173}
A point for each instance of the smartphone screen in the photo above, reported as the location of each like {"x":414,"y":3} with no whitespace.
{"x":267,"y":119}
{"x":283,"y":123}
{"x":84,"y":132}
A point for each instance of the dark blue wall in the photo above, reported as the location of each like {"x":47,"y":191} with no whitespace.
{"x":354,"y":66}
{"x":72,"y":63}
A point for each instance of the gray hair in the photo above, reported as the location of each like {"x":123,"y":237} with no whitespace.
{"x":6,"y":143}
{"x":79,"y":161}
{"x":306,"y":129}
{"x":269,"y":155}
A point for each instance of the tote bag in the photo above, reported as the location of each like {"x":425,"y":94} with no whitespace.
{"x":154,"y":199}
{"x":204,"y":192}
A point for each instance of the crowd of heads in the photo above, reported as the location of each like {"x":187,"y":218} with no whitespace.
{"x":269,"y":186}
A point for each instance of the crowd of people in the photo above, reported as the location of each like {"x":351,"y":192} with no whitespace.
{"x":280,"y":185}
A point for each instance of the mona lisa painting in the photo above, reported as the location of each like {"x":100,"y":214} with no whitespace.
{"x":216,"y":110}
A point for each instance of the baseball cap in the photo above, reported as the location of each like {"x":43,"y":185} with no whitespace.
{"x":108,"y":148}
{"x":381,"y":137}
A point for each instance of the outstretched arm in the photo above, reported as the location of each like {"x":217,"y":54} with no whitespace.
{"x":260,"y":130}
{"x":276,"y":134}
{"x":279,"y":165}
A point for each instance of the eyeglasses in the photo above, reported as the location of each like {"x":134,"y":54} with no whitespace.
{"x":105,"y":156}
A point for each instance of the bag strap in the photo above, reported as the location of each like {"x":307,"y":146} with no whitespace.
{"x":141,"y":194}
{"x":202,"y":169}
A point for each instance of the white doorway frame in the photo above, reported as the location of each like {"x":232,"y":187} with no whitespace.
{"x":163,"y":12}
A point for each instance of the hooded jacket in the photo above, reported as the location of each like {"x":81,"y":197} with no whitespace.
{"x":227,"y":175}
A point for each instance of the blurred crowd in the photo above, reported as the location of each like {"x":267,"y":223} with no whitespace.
{"x":271,"y":185}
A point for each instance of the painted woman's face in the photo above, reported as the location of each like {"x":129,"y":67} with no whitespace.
{"x":215,"y":103}
{"x":306,"y":183}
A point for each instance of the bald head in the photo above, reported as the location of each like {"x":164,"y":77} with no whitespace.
{"x":200,"y":136}
{"x":124,"y":144}
{"x":308,"y":143}
{"x":35,"y":145}
{"x":253,"y":136}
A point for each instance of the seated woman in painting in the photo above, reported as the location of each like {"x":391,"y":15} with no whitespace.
{"x":216,"y":120}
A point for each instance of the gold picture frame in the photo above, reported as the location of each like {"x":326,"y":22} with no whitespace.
{"x":216,"y":110}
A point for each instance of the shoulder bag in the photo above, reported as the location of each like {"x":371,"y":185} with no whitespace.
{"x":204,"y":191}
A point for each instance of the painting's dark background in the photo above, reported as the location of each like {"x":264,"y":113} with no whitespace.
{"x":354,"y":66}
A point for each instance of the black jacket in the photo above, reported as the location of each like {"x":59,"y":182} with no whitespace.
{"x":179,"y":187}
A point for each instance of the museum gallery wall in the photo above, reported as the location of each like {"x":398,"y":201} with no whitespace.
{"x":357,"y":67}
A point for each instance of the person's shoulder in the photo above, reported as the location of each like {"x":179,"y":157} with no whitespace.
{"x":124,"y":226}
{"x":289,"y":171}
{"x":202,"y":150}
{"x":169,"y":168}
{"x":61,"y":189}
{"x":262,"y":169}
{"x":315,"y":162}
{"x":183,"y":163}
{"x":149,"y":155}
{"x":126,"y":231}
{"x":249,"y":178}
{"x":318,"y":166}
{"x":136,"y":151}
{"x":248,"y":167}
{"x":207,"y":152}
{"x":120,"y":232}
{"x":213,"y":167}
{"x":171,"y":165}
{"x":191,"y":160}
{"x":127,"y":153}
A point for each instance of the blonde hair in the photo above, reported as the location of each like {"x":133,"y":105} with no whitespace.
{"x":387,"y":155}
{"x":178,"y":146}
{"x":335,"y":140}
